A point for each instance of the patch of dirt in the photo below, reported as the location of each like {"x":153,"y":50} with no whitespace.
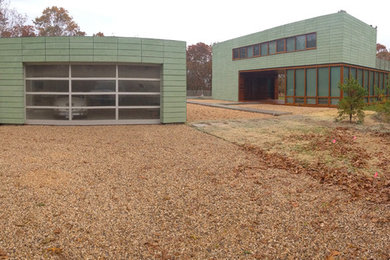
{"x":353,"y":156}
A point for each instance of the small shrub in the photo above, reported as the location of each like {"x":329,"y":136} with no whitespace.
{"x":382,"y":107}
{"x":352,"y":104}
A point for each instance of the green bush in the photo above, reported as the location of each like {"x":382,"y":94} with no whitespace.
{"x":382,"y":107}
{"x":352,"y":104}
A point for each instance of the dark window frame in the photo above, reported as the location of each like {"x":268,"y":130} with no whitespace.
{"x":276,"y":47}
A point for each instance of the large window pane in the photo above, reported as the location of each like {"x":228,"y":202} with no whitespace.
{"x":291,"y":44}
{"x":264,"y":49}
{"x":311,"y":80}
{"x":353,"y":73}
{"x":366,"y":79}
{"x":139,"y":100}
{"x":139,"y":86}
{"x":93,"y":71}
{"x":47,"y":100}
{"x":371,"y":79}
{"x":381,"y":80}
{"x":256,"y":50}
{"x":346,"y":74}
{"x":47,"y":71}
{"x":136,"y":113}
{"x":376,"y":84}
{"x":311,"y":40}
{"x":334,"y":81}
{"x":323,"y":82}
{"x":280,"y":45}
{"x":272,"y":47}
{"x":299,"y":82}
{"x":47,"y":114}
{"x":93,"y":114}
{"x":290,"y":83}
{"x":360,"y":77}
{"x":93,"y":100}
{"x":300,"y":42}
{"x":93,"y":85}
{"x":47,"y":85}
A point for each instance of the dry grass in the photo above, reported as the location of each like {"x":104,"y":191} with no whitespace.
{"x":169,"y":192}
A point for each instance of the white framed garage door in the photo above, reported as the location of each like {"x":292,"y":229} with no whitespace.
{"x":90,"y":94}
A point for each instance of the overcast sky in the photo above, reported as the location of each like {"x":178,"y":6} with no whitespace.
{"x":205,"y":21}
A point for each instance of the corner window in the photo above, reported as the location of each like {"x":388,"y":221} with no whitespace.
{"x":235,"y":54}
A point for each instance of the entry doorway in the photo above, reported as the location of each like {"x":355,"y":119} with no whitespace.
{"x":265,"y":86}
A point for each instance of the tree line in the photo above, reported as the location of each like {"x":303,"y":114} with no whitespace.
{"x":54,"y":21}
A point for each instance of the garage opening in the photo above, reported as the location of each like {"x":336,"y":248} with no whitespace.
{"x":265,"y":86}
{"x":88,"y":94}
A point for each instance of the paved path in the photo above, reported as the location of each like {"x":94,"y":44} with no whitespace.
{"x":247,"y":109}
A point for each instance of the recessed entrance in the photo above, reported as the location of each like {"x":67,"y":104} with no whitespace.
{"x":265,"y":86}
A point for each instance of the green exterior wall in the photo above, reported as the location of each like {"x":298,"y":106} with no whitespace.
{"x":341,"y":38}
{"x":14,"y":52}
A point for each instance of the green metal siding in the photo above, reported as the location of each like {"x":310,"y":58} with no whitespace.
{"x":16,"y":51}
{"x":341,"y":38}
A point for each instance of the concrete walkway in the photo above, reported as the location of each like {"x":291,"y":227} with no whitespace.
{"x":233,"y":106}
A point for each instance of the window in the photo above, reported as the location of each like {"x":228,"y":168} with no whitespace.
{"x":334,"y":81}
{"x":256,"y":50}
{"x":291,"y":44}
{"x":311,"y":79}
{"x":235,"y":54}
{"x":290,"y":83}
{"x":250,"y":52}
{"x":280,"y":45}
{"x":264,"y":49}
{"x":272,"y":47}
{"x":323,"y":82}
{"x":300,"y":82}
{"x":311,"y":40}
{"x":242,"y":53}
{"x":300,"y":42}
{"x":371,"y":78}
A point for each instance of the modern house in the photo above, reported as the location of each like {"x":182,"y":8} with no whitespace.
{"x":301,"y":63}
{"x":92,"y":80}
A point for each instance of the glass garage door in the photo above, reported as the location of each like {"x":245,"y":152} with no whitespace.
{"x":92,"y":94}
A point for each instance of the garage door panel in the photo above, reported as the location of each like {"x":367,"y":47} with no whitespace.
{"x":139,"y":100}
{"x":93,"y":85}
{"x":93,"y":71}
{"x":93,"y":94}
{"x":139,"y":86}
{"x":47,"y":85}
{"x":134,"y":113}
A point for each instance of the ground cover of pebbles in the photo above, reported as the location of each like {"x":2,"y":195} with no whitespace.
{"x":169,"y":192}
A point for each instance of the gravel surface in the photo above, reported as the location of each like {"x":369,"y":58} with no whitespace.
{"x":169,"y":192}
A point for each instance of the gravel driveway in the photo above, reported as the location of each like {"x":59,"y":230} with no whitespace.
{"x":168,"y":192}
